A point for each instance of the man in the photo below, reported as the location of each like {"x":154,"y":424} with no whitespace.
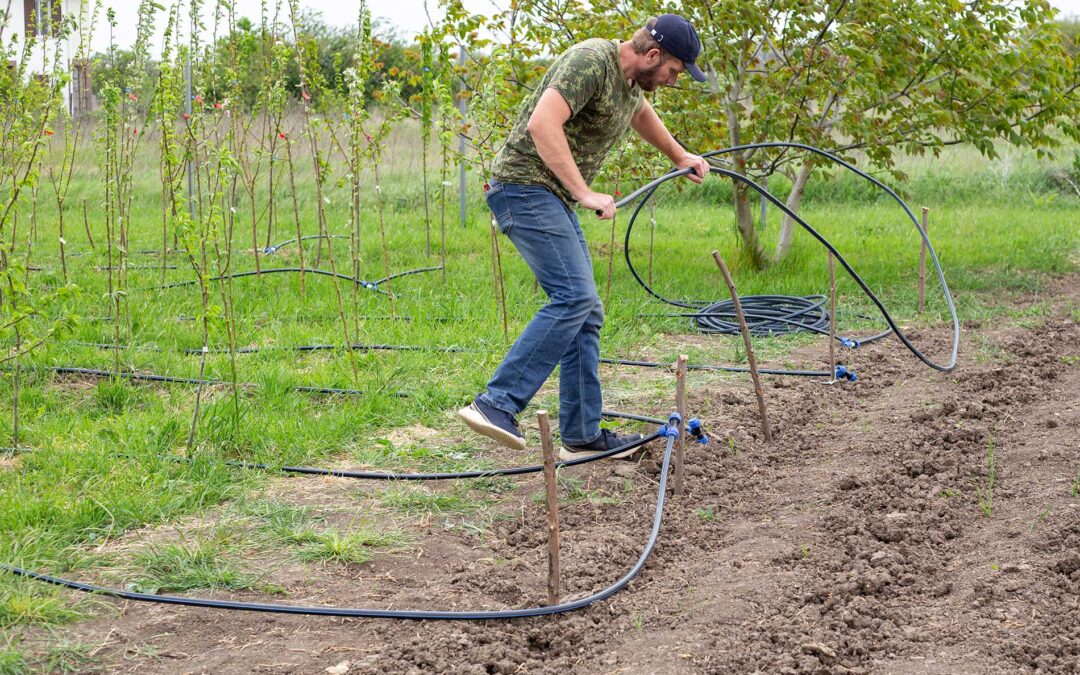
{"x":584,"y":104}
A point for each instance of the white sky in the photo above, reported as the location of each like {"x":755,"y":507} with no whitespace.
{"x":407,"y":15}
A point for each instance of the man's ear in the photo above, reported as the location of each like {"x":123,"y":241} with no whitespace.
{"x":652,"y":57}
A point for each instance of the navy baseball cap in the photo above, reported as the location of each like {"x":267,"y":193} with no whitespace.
{"x":677,"y":37}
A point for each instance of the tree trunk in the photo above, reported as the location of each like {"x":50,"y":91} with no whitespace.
{"x":794,"y":201}
{"x":744,"y":214}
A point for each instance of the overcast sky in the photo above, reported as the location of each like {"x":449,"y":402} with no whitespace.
{"x":407,"y":15}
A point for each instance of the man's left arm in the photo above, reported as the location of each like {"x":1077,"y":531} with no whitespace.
{"x":649,"y":126}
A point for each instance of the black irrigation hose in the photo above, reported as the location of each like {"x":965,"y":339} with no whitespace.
{"x":464,"y":350}
{"x":450,"y":475}
{"x":360,"y":347}
{"x":646,"y":191}
{"x":726,"y":369}
{"x":420,"y":615}
{"x":370,"y":285}
{"x":149,"y":377}
{"x":271,"y":250}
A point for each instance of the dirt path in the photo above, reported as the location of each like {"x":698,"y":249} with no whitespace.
{"x":855,"y":542}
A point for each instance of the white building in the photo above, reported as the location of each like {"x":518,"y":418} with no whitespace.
{"x":43,"y":18}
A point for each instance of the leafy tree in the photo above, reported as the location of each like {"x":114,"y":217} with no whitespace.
{"x":865,"y":80}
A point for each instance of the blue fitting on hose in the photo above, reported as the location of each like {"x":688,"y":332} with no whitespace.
{"x":843,"y":373}
{"x":671,"y":429}
{"x":694,"y":427}
{"x":850,"y":343}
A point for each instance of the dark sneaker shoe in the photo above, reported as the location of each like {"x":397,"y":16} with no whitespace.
{"x":608,"y":440}
{"x":496,"y":424}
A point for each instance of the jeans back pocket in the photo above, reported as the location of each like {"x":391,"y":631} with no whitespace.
{"x":500,"y":206}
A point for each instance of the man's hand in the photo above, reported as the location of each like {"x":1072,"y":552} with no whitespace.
{"x":602,"y":204}
{"x":698,"y":164}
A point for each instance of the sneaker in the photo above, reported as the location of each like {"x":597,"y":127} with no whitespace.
{"x":496,"y":424}
{"x":607,"y":440}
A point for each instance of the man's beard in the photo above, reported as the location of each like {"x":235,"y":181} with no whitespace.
{"x":649,"y":79}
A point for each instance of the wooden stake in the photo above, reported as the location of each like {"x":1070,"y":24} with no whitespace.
{"x":680,"y":406}
{"x":922,"y":260}
{"x":749,"y":348}
{"x":552,"y":507}
{"x":832,"y":318}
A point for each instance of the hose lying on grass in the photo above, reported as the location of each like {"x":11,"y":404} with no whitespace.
{"x":670,"y":431}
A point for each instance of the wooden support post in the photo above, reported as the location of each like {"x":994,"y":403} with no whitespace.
{"x":680,"y":406}
{"x":832,"y":318}
{"x":749,"y":347}
{"x":922,"y":259}
{"x":552,"y":508}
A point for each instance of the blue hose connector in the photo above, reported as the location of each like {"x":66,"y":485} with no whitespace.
{"x":843,"y":373}
{"x":694,"y":427}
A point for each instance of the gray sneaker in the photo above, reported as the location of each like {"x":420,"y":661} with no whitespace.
{"x":496,"y":424}
{"x":607,"y":440}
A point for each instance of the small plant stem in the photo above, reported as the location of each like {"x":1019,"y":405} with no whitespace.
{"x":752,"y":362}
{"x":552,"y":502}
{"x":922,"y":260}
{"x":832,"y":318}
{"x":680,"y":406}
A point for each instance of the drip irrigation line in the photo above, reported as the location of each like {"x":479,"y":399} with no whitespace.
{"x":460,"y":350}
{"x":271,"y":250}
{"x":444,"y":475}
{"x":298,"y":348}
{"x":725,"y":369}
{"x":150,"y":377}
{"x":647,"y":190}
{"x":372,"y":613}
{"x":407,"y":273}
{"x":370,"y":285}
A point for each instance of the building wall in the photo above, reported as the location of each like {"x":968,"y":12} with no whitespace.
{"x":76,"y":101}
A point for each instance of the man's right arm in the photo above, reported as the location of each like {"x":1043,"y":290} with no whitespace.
{"x":546,"y":128}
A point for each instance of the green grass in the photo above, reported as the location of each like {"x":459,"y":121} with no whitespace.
{"x":12,"y":662}
{"x":283,"y":523}
{"x":351,"y":547}
{"x":22,"y":603}
{"x":184,"y":566}
{"x":97,"y":470}
{"x":421,"y":500}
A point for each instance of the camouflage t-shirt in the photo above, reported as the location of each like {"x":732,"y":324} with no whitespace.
{"x":601,"y":104}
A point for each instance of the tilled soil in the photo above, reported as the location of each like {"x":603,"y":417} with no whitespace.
{"x":864,"y":538}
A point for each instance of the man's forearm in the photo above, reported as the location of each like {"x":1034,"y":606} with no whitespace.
{"x":652,"y":130}
{"x":554,"y":149}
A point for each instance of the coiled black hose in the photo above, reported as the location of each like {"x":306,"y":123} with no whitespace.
{"x":421,"y":615}
{"x":644,"y":193}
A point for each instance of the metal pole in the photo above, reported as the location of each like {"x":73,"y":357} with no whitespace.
{"x":461,"y":143}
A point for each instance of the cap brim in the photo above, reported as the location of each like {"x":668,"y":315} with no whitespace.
{"x":694,"y":71}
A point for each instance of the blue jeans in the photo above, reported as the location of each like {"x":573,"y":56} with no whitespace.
{"x":566,"y":331}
